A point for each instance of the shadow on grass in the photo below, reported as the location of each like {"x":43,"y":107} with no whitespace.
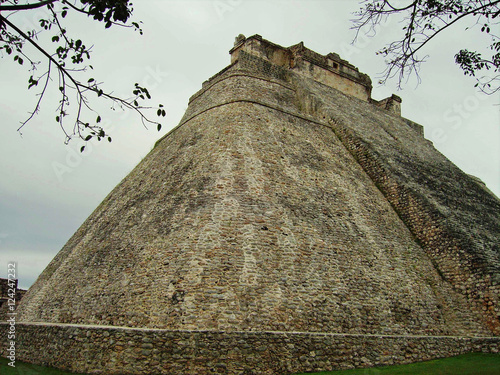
{"x":467,"y":364}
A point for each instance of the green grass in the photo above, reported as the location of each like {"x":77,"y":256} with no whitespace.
{"x":28,"y":369}
{"x":467,"y":364}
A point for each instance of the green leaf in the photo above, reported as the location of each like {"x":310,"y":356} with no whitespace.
{"x":91,"y":80}
{"x":32,"y":82}
{"x":158,"y":112}
{"x":109,"y":139}
{"x":57,"y":118}
{"x":88,"y":138}
{"x":159,"y":127}
{"x":64,"y":13}
{"x":98,"y":119}
{"x":82,"y":148}
{"x":55,"y":38}
{"x":163,"y":113}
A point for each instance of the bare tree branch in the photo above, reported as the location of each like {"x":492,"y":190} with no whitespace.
{"x":423,"y":22}
{"x":41,"y":94}
{"x":7,"y":8}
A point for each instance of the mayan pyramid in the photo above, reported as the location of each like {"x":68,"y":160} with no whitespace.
{"x":289,"y":223}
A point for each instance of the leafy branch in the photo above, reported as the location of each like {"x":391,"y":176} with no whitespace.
{"x":65,"y":63}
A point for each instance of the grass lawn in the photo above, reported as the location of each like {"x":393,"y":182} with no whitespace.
{"x":467,"y":364}
{"x":27,"y":369}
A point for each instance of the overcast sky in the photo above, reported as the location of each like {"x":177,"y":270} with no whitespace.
{"x":48,"y":189}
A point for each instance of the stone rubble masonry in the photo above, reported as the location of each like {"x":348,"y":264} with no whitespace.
{"x":119,"y":350}
{"x":330,"y":70}
{"x":4,"y":297}
{"x":286,"y":208}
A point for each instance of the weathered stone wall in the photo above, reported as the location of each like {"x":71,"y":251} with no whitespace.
{"x":253,"y":178}
{"x":5,"y":296}
{"x":237,"y":85}
{"x":115,"y":350}
{"x":453,"y":217}
{"x":268,"y":223}
{"x":329,"y":70}
{"x":4,"y":287}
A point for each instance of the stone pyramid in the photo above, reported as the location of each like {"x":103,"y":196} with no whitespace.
{"x":290,"y":222}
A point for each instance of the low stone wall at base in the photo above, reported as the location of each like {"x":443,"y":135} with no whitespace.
{"x":122,"y":350}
